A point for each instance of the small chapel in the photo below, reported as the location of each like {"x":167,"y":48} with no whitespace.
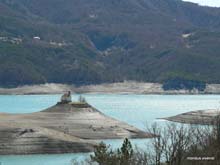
{"x":66,"y":98}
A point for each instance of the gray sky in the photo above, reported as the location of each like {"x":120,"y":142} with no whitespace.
{"x":215,"y":3}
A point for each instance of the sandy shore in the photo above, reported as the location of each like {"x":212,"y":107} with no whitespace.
{"x":118,"y":88}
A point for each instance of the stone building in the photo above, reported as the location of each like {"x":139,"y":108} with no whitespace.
{"x":66,"y":98}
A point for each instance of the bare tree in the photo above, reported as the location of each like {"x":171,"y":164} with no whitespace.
{"x":170,"y":143}
{"x":157,"y":143}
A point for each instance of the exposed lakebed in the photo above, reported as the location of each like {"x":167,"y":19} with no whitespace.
{"x":136,"y":110}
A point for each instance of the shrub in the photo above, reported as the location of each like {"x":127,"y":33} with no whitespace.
{"x":82,"y":99}
{"x":179,"y":83}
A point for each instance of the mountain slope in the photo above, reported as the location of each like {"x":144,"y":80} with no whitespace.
{"x":83,"y":42}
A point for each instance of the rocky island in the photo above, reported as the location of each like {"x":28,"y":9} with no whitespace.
{"x":67,"y":127}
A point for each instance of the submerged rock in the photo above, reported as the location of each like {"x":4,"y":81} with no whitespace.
{"x":63,"y":128}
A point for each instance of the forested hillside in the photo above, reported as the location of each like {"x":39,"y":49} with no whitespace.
{"x":96,"y":41}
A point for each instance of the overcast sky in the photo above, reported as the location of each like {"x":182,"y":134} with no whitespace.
{"x":215,"y":3}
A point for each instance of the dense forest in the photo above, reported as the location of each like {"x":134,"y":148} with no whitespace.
{"x":96,"y":41}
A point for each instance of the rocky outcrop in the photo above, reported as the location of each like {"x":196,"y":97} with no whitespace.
{"x":63,"y":128}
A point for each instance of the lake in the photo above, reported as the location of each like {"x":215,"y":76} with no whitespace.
{"x":136,"y":110}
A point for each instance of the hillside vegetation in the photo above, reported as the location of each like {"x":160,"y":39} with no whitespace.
{"x":96,"y":41}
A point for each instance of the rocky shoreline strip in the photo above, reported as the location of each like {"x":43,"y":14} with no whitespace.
{"x":129,"y":87}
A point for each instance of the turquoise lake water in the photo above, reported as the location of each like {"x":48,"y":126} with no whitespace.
{"x":136,"y":110}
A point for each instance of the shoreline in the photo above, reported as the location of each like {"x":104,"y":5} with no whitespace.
{"x":111,"y":88}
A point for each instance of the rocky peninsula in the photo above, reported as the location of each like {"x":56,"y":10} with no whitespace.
{"x":67,"y":127}
{"x":203,"y":117}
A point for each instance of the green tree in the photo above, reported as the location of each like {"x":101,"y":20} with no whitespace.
{"x":103,"y":155}
{"x":126,"y":152}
